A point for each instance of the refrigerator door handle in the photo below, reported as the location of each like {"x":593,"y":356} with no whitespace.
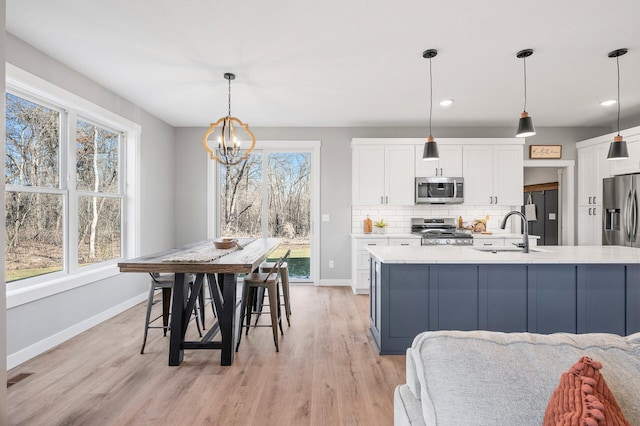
{"x":634,"y":216}
{"x":627,"y":215}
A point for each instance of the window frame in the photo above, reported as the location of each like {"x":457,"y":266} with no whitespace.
{"x":73,"y":108}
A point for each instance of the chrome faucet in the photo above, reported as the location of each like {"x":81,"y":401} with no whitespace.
{"x":525,"y":227}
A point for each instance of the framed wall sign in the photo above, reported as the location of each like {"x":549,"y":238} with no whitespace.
{"x":545,"y":151}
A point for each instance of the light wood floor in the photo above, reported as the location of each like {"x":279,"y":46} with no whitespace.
{"x":327,"y":372}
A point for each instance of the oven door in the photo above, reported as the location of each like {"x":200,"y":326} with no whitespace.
{"x":439,"y":190}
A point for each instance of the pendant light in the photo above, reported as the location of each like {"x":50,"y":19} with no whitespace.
{"x":618,"y":148}
{"x":525,"y":125}
{"x":228,"y":152}
{"x":430,"y":147}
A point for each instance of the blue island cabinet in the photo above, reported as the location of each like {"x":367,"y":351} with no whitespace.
{"x":406,"y":299}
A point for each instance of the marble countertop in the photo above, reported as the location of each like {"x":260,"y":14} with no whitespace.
{"x":542,"y":254}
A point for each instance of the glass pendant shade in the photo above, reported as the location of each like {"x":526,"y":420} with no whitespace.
{"x":618,"y":149}
{"x":525,"y":126}
{"x":430,"y":150}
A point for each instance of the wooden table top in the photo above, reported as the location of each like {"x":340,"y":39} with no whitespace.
{"x":237,"y":262}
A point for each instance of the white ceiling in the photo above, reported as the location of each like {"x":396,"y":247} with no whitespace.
{"x":347,"y":62}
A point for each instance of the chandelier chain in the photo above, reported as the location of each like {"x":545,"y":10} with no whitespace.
{"x":229,"y":114}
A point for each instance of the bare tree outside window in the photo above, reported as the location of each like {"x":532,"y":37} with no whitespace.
{"x":288,"y":212}
{"x":40,"y":192}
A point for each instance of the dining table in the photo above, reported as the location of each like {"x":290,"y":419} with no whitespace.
{"x":220,"y":269}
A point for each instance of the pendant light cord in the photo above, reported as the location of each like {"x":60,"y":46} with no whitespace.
{"x":430,"y":95}
{"x":525,"y":84}
{"x":618,"y":66}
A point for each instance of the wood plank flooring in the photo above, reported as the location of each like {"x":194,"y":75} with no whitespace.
{"x":328,"y":372}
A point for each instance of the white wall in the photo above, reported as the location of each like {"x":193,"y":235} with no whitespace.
{"x":36,"y":326}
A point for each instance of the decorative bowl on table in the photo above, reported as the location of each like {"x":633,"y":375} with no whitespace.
{"x":224,"y":243}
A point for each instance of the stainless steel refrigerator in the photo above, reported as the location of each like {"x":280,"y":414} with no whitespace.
{"x":620,"y":206}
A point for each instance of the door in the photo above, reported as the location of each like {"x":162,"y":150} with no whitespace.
{"x":271,"y":195}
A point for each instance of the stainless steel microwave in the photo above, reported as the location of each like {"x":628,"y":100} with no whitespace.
{"x":439,"y":190}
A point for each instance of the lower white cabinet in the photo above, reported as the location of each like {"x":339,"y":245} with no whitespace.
{"x":590,"y":225}
{"x":360,"y":257}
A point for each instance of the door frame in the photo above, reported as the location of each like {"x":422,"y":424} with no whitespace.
{"x":312,"y":146}
{"x":566,"y":197}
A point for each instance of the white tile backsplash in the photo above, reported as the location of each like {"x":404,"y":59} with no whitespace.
{"x":399,"y":217}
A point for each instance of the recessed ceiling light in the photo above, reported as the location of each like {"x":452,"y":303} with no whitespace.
{"x":446,"y":102}
{"x":608,"y":102}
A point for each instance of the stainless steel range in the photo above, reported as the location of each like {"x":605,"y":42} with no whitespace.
{"x":436,"y":231}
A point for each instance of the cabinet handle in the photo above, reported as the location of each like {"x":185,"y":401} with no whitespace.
{"x":590,"y":200}
{"x":374,"y":244}
{"x":381,"y":199}
{"x":386,"y":199}
{"x":589,"y":210}
{"x":436,"y":171}
{"x":594,"y":200}
{"x":496,"y":199}
{"x":441,"y":172}
{"x":404,"y":244}
{"x":594,"y":211}
{"x":487,"y":244}
{"x":490,"y":200}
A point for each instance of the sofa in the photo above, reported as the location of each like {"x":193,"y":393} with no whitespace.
{"x":493,"y":378}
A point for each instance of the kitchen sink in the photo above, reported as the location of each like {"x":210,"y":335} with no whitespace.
{"x":496,"y":249}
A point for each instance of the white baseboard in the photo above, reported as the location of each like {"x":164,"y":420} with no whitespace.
{"x":361,"y":291}
{"x":335,"y":283}
{"x":42,"y":346}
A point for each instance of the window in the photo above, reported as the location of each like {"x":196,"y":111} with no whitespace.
{"x":67,"y":164}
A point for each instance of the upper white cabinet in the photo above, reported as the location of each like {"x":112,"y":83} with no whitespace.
{"x":384,"y":170}
{"x":593,"y":166}
{"x":493,"y":174}
{"x":383,"y":174}
{"x":449,"y":164}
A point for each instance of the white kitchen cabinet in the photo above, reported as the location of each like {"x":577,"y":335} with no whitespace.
{"x":449,"y":164}
{"x":593,"y":166}
{"x":493,"y":174}
{"x":383,"y":174}
{"x":589,"y":225}
{"x":360,"y":257}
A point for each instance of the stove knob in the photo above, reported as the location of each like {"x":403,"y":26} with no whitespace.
{"x":448,"y":242}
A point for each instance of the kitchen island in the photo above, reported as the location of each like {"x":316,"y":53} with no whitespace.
{"x":575,"y":289}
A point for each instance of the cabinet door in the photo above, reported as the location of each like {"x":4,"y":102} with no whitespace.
{"x":449,"y":164}
{"x":367,"y":181}
{"x":508,"y":175}
{"x":399,"y":175}
{"x":593,"y":166}
{"x":589,"y":225}
{"x":477,"y":165}
{"x":601,"y":296}
{"x":488,"y":242}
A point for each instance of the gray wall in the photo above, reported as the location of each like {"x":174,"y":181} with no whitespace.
{"x":65,"y":312}
{"x":335,"y":176}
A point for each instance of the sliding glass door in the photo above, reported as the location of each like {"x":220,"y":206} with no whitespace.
{"x":272,"y":195}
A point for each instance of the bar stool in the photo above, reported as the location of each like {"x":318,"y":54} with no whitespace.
{"x":268,"y":281}
{"x":284,"y":280}
{"x":165,"y":283}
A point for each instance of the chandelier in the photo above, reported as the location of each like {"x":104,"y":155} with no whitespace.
{"x":228,"y":151}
